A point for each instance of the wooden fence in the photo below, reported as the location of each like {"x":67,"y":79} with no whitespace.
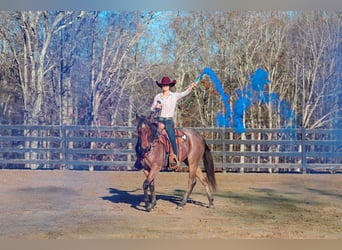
{"x":112,"y":148}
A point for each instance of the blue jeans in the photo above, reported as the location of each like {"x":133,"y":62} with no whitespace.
{"x":170,"y":130}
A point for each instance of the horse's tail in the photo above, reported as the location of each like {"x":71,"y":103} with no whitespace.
{"x":209,"y":166}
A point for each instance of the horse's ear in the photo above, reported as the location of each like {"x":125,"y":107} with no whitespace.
{"x":138,"y":117}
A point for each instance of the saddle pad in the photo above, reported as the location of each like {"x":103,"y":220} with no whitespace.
{"x":180,"y":136}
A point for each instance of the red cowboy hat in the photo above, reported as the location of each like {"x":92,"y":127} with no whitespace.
{"x":166,"y":81}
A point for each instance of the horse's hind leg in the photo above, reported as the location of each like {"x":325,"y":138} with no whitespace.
{"x":205,"y":183}
{"x":191,"y":185}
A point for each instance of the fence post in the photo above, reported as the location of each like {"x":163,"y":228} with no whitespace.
{"x":64,"y":147}
{"x":223,"y":137}
{"x":304,"y":160}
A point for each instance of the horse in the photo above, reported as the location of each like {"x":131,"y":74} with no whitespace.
{"x":151,"y":159}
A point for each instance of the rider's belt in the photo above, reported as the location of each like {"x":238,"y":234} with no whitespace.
{"x":165,"y":119}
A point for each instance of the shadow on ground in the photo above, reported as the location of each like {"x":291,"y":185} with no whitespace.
{"x":135,"y":199}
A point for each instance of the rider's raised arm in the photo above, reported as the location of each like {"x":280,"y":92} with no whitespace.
{"x":180,"y":95}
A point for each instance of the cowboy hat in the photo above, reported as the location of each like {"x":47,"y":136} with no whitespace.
{"x":166,"y":81}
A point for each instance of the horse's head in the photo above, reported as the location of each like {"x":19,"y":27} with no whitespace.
{"x":147,"y":133}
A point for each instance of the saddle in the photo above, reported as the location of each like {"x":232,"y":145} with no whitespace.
{"x":181,"y":137}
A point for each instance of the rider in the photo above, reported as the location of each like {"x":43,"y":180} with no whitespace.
{"x":166,"y":101}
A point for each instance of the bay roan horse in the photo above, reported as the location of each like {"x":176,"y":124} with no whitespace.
{"x":150,"y":152}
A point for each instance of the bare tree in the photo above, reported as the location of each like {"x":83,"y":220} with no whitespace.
{"x":315,"y":59}
{"x":29,"y":35}
{"x":114,"y":40}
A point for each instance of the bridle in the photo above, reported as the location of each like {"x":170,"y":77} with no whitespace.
{"x":144,"y":141}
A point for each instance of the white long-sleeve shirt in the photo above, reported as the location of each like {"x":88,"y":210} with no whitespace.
{"x":168,"y":104}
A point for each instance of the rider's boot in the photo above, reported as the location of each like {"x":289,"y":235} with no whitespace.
{"x":175,"y":163}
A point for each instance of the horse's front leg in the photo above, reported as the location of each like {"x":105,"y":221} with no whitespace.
{"x":145,"y":188}
{"x":146,"y":197}
{"x":153,"y":195}
{"x":149,"y":184}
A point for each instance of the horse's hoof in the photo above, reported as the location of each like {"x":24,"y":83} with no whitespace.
{"x":211,"y":206}
{"x":179,"y":207}
{"x":150,"y":207}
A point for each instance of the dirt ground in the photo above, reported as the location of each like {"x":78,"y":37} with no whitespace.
{"x":108,"y":205}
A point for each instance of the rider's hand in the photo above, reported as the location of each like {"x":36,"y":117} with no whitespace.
{"x":193,"y":85}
